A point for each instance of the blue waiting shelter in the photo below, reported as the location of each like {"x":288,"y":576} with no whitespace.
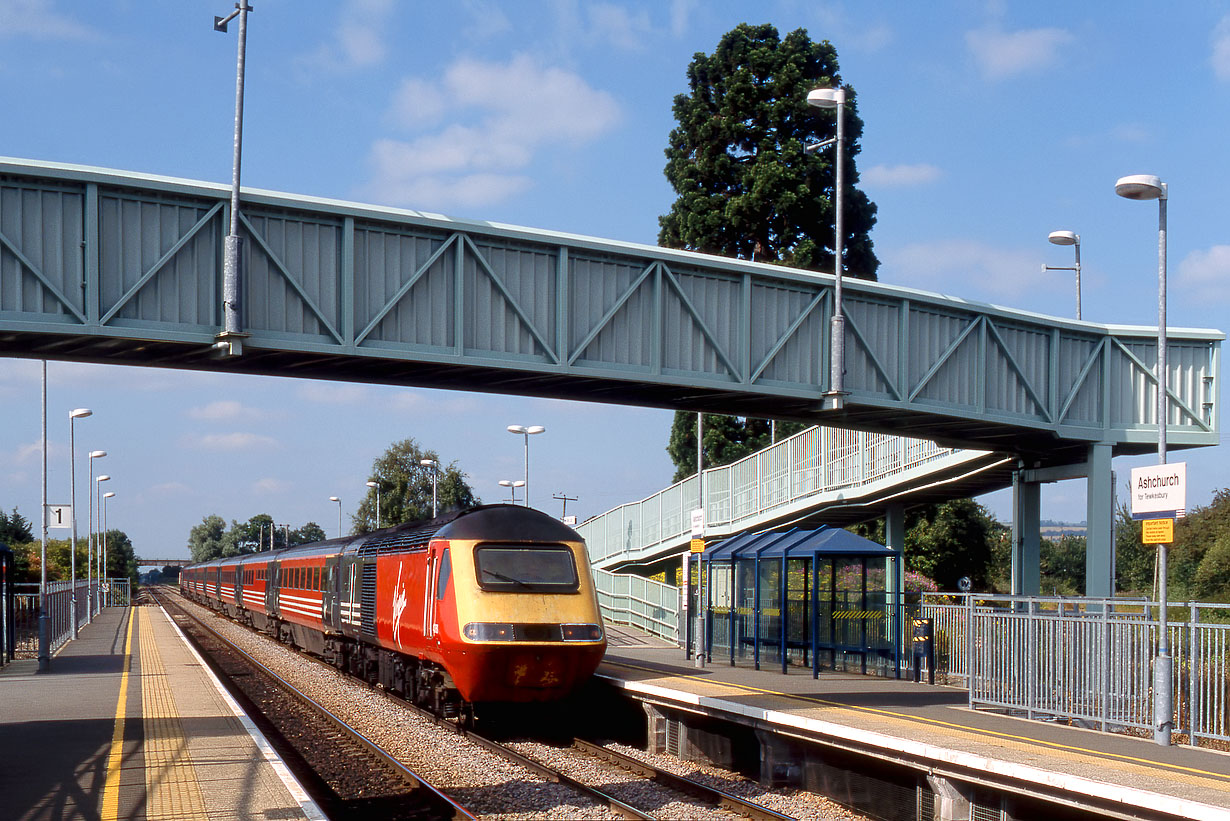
{"x":789,"y":597}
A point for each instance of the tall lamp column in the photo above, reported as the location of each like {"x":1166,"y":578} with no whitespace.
{"x":835,"y":398}
{"x":97,"y":544}
{"x":73,"y":416}
{"x":339,"y":514}
{"x":435,"y":481}
{"x":103,"y":573}
{"x":1149,"y":187}
{"x":527,"y":431}
{"x":1074,"y":239}
{"x":375,"y":486}
{"x":89,"y":541}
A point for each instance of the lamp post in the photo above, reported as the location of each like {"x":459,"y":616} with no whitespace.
{"x":339,"y":514}
{"x":1149,"y":187}
{"x":511,"y":485}
{"x":435,"y":478}
{"x":527,"y":431}
{"x":1074,"y":239}
{"x":835,"y":398}
{"x":89,"y":538}
{"x":73,"y":416}
{"x":106,"y":496}
{"x":97,"y":590}
{"x":376,"y":487}
{"x":230,"y":341}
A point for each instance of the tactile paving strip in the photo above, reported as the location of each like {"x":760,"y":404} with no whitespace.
{"x":171,"y":787}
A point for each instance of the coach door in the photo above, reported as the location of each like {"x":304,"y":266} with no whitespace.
{"x":439,"y":568}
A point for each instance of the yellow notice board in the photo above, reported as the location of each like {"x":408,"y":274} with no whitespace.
{"x":698,"y":546}
{"x":1157,"y":531}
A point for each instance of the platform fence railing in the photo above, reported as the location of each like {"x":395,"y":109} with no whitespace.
{"x":1088,"y":661}
{"x":111,"y":593}
{"x":813,"y":461}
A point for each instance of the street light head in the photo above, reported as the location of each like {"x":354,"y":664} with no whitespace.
{"x":428,"y":463}
{"x":826,"y":97}
{"x":80,"y":413}
{"x":535,"y":429}
{"x":108,"y":494}
{"x":1141,"y":187}
{"x":103,"y":478}
{"x":373,"y":484}
{"x":1064,"y":238}
{"x":97,"y":454}
{"x":516,"y":428}
{"x":334,"y":499}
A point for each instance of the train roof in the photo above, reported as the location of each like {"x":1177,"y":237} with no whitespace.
{"x":512,"y":523}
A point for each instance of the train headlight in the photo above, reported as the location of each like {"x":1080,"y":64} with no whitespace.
{"x":581,"y":632}
{"x":487,"y":631}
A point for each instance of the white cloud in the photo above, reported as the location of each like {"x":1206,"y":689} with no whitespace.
{"x":681,"y":12}
{"x":887,"y":176}
{"x":1204,"y":276}
{"x":270,"y":486}
{"x":233,"y":441}
{"x":1221,"y":49}
{"x":616,"y":24}
{"x":973,"y":270}
{"x":359,"y":41}
{"x":224,"y":410}
{"x":500,"y":116}
{"x":1001,"y":54}
{"x":487,"y":20}
{"x":170,"y":489}
{"x":39,"y":19}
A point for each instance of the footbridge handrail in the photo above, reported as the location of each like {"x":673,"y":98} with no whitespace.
{"x":763,"y":486}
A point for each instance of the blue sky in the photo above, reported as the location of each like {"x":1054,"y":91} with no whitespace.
{"x":987,"y":125}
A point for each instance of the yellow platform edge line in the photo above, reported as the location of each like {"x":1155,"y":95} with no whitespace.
{"x":115,"y":757}
{"x":936,"y":722}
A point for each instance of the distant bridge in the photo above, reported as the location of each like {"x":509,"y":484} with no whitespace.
{"x":163,"y":562}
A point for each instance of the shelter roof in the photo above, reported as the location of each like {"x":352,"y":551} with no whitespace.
{"x":796,"y":543}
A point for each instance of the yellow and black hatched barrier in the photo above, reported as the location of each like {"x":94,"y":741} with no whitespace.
{"x":847,"y":615}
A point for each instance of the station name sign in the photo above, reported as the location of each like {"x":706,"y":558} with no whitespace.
{"x":1160,"y":491}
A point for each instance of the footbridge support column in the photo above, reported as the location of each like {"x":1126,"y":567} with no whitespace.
{"x":1026,"y":535}
{"x":1100,"y":524}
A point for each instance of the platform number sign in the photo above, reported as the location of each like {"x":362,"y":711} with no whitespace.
{"x":59,"y":516}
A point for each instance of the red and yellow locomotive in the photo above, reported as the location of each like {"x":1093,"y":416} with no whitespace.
{"x":491,"y":604}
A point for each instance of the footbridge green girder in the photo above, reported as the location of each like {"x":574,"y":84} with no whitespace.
{"x":115,"y":267}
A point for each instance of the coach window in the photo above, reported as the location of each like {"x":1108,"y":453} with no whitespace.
{"x":446,"y":568}
{"x":316,"y":578}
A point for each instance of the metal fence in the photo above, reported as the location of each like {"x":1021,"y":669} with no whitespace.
{"x":817,"y":460}
{"x":642,"y":603}
{"x":1087,"y":660}
{"x":90,"y":598}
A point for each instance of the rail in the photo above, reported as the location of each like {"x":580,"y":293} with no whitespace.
{"x":792,"y":476}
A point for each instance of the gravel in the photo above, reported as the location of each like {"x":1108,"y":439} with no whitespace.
{"x":492,"y":787}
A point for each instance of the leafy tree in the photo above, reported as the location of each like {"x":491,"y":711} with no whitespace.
{"x":1063,"y":565}
{"x":14,"y":528}
{"x":948,"y":540}
{"x":121,"y":557}
{"x":209,"y":540}
{"x":727,"y":439}
{"x":1134,"y":561}
{"x":404,"y":486}
{"x":310,"y":532}
{"x":253,"y":535}
{"x":1212,"y":582}
{"x":736,"y":160}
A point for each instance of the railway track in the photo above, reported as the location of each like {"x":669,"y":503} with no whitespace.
{"x":603,"y":783}
{"x":352,"y":777}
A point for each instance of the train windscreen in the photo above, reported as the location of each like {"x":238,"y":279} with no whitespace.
{"x":513,"y":568}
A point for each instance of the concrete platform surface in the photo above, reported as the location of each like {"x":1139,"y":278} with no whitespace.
{"x":129,"y":723}
{"x":907,"y":721}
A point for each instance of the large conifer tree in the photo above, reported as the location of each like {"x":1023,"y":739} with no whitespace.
{"x":745,"y":187}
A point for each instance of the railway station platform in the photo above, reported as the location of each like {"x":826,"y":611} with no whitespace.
{"x":129,"y":723}
{"x":890,"y":742}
